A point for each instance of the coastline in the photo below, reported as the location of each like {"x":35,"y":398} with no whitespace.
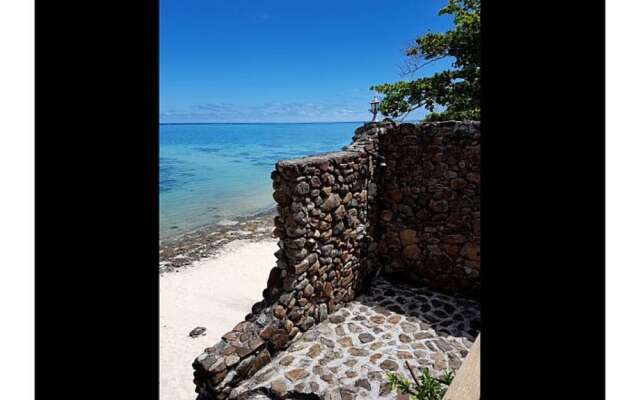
{"x":209,"y":277}
{"x":216,"y":293}
{"x":207,"y":241}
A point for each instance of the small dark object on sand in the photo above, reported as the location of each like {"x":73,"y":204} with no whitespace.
{"x":199,"y":331}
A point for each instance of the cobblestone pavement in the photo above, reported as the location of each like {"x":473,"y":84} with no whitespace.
{"x":346,"y":356}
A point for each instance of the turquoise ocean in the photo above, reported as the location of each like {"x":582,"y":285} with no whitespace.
{"x":211,"y":173}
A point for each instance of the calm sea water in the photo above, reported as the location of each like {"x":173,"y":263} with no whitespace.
{"x":210,"y":173}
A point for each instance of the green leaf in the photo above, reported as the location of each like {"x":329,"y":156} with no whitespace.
{"x":455,"y":91}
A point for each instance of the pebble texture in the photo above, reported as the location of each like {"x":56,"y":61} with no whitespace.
{"x":402,"y":200}
{"x":346,"y":355}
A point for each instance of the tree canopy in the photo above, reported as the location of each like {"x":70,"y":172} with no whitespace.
{"x":455,"y":90}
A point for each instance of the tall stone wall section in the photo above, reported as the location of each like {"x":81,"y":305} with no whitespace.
{"x":322,"y":224}
{"x":325,"y":225}
{"x":430,"y":205}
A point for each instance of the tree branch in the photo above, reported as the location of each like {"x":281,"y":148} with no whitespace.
{"x":411,"y":372}
{"x":411,"y":68}
{"x":413,"y":109}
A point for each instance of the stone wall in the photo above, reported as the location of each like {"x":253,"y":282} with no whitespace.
{"x":430,"y":205}
{"x":400,"y":199}
{"x":322,"y":224}
{"x":325,"y":225}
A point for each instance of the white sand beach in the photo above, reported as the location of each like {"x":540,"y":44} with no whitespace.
{"x":215,"y":293}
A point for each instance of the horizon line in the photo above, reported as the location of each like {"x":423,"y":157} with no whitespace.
{"x":269,"y":122}
{"x":272,"y":122}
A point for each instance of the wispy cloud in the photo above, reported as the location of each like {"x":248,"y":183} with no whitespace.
{"x":269,"y":112}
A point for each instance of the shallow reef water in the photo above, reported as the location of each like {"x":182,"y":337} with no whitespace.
{"x":212,"y":172}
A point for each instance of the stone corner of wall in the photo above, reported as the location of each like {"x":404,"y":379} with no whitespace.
{"x":342,"y":216}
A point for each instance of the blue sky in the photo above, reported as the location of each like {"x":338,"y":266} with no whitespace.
{"x":285,"y":61}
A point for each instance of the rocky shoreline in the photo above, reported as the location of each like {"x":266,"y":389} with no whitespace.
{"x":183,"y":250}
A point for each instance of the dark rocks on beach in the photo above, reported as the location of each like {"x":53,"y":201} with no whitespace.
{"x":198,"y":331}
{"x":181,"y":251}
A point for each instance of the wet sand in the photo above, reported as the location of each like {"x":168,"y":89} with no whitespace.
{"x":205,"y":242}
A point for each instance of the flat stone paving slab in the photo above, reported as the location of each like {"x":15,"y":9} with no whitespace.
{"x":346,"y":356}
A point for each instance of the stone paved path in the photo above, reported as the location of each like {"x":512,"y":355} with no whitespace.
{"x":346,"y":356}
